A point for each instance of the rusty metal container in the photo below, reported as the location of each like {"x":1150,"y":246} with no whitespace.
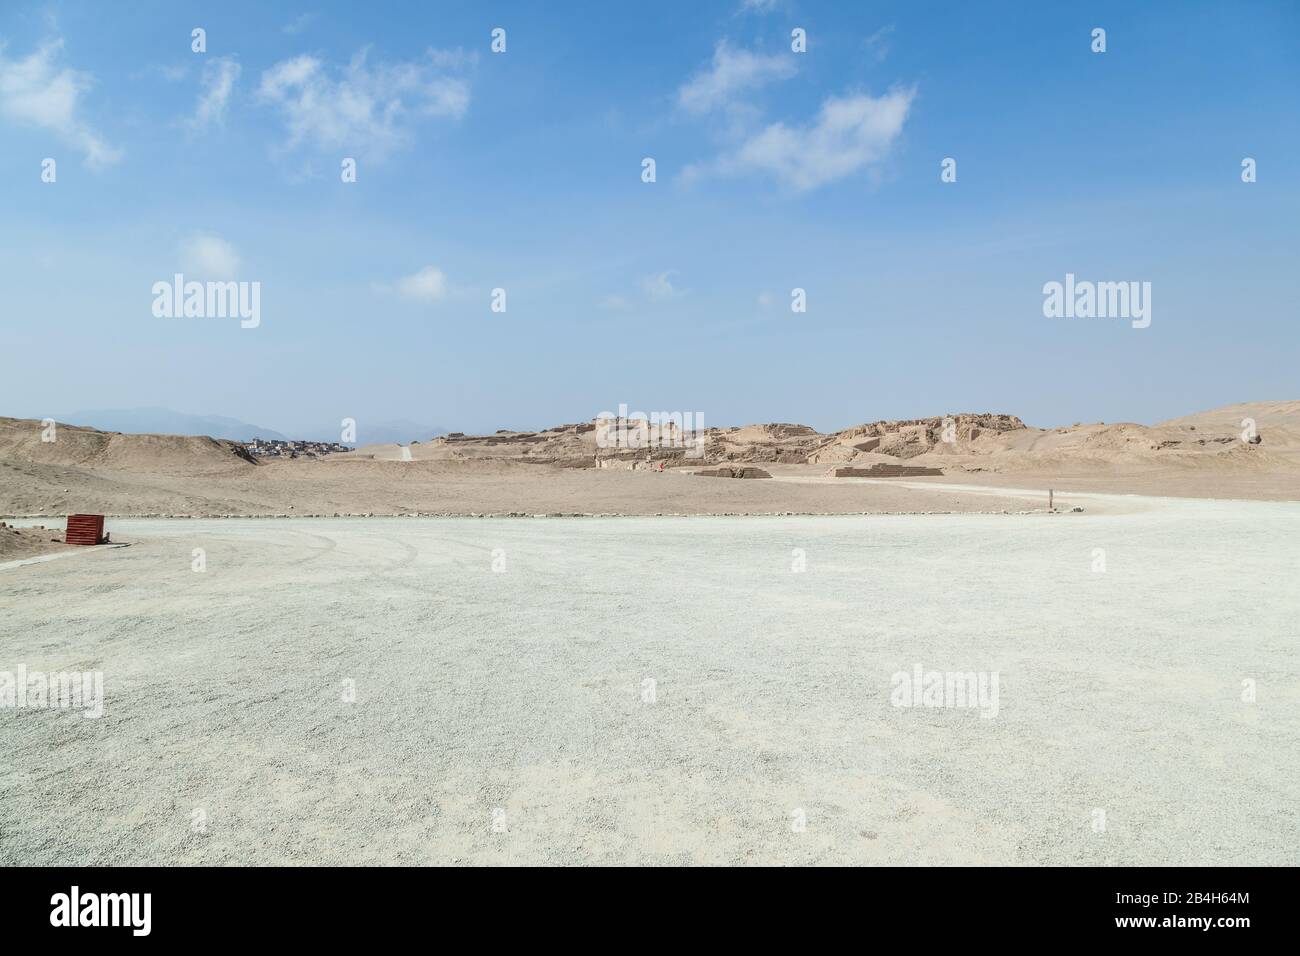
{"x":84,"y":529}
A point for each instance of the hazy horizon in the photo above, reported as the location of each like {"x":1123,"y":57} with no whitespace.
{"x":390,"y":429}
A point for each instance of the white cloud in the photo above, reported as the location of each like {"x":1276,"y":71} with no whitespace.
{"x":849,"y":133}
{"x":36,"y":91}
{"x":209,"y":257}
{"x":766,"y":300}
{"x":732,"y":73}
{"x":427,"y":285}
{"x":878,"y":42}
{"x":299,"y":23}
{"x":660,"y":287}
{"x":219,"y":78}
{"x":365,"y":108}
{"x":757,"y":6}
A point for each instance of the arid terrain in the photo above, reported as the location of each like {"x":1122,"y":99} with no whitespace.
{"x":658,"y":690}
{"x":28,"y":541}
{"x":883,"y":467}
{"x":399,"y":688}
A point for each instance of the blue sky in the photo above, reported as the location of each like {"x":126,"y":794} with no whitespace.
{"x":522,"y":170}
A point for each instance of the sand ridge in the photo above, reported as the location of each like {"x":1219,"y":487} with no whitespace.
{"x":564,"y":470}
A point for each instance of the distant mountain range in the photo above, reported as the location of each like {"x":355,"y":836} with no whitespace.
{"x":165,"y":421}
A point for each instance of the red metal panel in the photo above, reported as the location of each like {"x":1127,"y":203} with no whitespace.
{"x":84,"y":529}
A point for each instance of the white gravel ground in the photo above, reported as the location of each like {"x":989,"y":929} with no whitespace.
{"x":499,"y":717}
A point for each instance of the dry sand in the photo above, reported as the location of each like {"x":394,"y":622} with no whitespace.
{"x":464,"y":488}
{"x":522,"y":693}
{"x":29,"y":541}
{"x":550,"y":472}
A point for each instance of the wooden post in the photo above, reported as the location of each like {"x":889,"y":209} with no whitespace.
{"x":1049,"y":499}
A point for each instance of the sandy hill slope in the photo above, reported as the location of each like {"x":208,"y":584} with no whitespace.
{"x":22,"y":440}
{"x":579,"y":446}
{"x":1278,"y":423}
{"x":909,"y":438}
{"x":1273,"y":414}
{"x":567,"y":445}
{"x":1107,"y":447}
{"x":18,"y":543}
{"x":1213,"y":441}
{"x":564,"y":470}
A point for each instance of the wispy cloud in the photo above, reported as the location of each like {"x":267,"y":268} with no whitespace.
{"x":660,"y":286}
{"x":298,"y":24}
{"x":732,"y":72}
{"x":219,"y":78}
{"x":366,"y":107}
{"x":209,"y":257}
{"x":38,"y":91}
{"x":427,"y":285}
{"x":850,"y":133}
{"x":757,"y":6}
{"x":878,"y":43}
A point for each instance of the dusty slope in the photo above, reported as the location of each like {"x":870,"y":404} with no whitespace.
{"x":1105,"y":447}
{"x":582,"y":445}
{"x":358,"y":486}
{"x":1284,"y":415}
{"x":1200,"y":455}
{"x":554,"y":471}
{"x":75,"y":446}
{"x":28,"y":542}
{"x":1277,"y":423}
{"x":964,"y":443}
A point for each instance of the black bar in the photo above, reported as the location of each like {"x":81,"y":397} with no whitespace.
{"x":950,"y":906}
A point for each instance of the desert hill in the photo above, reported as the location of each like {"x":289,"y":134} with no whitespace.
{"x":1211,"y":441}
{"x":578,"y":445}
{"x":965,"y":442}
{"x":564,"y":469}
{"x":1281,"y":419}
{"x":81,"y":447}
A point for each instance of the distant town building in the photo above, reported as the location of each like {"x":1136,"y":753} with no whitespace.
{"x":275,"y":448}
